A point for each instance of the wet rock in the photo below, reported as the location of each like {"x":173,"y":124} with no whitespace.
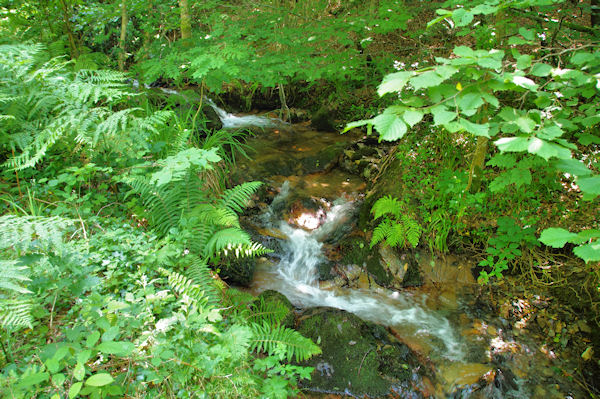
{"x":298,"y":115}
{"x":277,"y":304}
{"x":238,"y":271}
{"x":306,"y":213}
{"x":324,"y":160}
{"x":413,"y":277}
{"x":324,"y":270}
{"x":323,"y":120}
{"x":356,"y":251}
{"x":359,"y":358}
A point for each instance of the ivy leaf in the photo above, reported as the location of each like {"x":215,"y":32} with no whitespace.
{"x":99,"y":380}
{"x":389,"y":126}
{"x":556,"y":237}
{"x":412,"y":117}
{"x":588,"y":252}
{"x":394,"y":82}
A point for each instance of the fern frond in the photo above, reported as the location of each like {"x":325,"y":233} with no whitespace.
{"x":279,"y":339}
{"x":412,"y":230}
{"x":25,"y":232}
{"x":226,"y":239}
{"x":237,"y":198}
{"x":185,"y":286}
{"x":381,"y":232}
{"x":247,"y":250}
{"x":199,"y":273}
{"x":271,"y":312}
{"x":15,"y":313}
{"x":386,"y":205}
{"x":12,"y":276}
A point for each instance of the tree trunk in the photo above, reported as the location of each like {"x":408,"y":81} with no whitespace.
{"x":477,"y":165}
{"x":124,"y":21}
{"x":595,"y":13}
{"x":186,"y":24}
{"x":69,"y":30}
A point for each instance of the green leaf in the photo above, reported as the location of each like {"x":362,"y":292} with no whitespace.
{"x":547,"y":150}
{"x":556,"y":237}
{"x":390,"y":126}
{"x":512,"y":144}
{"x":354,"y":124}
{"x":92,"y":339}
{"x":589,"y":185}
{"x":74,"y":389}
{"x":524,"y":61}
{"x":475,"y":128}
{"x":412,"y":116}
{"x":528,"y":34}
{"x":118,"y":348}
{"x":79,"y":371}
{"x":99,"y":380}
{"x":573,"y":167}
{"x":463,"y":51}
{"x":394,"y":82}
{"x":441,"y":116}
{"x":588,"y":252}
{"x":426,"y":79}
{"x":541,"y":69}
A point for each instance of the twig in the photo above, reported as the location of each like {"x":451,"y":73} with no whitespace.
{"x":363,"y":360}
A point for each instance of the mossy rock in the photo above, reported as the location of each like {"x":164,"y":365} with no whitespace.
{"x":356,"y":251}
{"x":323,"y":120}
{"x":413,"y":276}
{"x":274,"y":299}
{"x":359,"y":358}
{"x":238,"y":271}
{"x":323,"y":160}
{"x":324,"y":270}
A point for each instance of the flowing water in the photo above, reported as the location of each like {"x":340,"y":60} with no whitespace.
{"x":464,"y":345}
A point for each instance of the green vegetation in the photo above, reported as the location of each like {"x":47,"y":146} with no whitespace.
{"x":118,"y":212}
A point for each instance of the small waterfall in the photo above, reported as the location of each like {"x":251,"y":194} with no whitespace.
{"x":297,"y":279}
{"x":231,"y":121}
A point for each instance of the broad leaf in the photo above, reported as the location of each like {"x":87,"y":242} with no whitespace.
{"x":390,"y":126}
{"x":99,"y":380}
{"x":556,"y":237}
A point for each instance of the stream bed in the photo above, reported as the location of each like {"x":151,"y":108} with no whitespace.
{"x":438,"y":339}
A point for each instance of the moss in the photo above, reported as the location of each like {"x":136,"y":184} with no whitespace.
{"x":357,"y":356}
{"x":356,"y":251}
{"x":413,"y":276}
{"x":238,"y":271}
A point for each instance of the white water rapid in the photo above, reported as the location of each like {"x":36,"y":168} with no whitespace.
{"x":231,"y":121}
{"x":296,"y":277}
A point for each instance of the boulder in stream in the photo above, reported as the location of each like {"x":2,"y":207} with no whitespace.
{"x":359,"y":358}
{"x":238,"y":271}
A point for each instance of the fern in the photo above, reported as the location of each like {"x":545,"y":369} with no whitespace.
{"x":43,"y":104}
{"x":15,"y":313}
{"x":282,"y":340}
{"x":199,"y":274}
{"x":12,"y":276}
{"x":237,"y":198}
{"x":271,"y":312}
{"x":31,"y":232}
{"x":386,"y":205}
{"x":397,"y":229}
{"x":183,"y":285}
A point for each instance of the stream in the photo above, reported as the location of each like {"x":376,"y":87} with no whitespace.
{"x":464,"y":348}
